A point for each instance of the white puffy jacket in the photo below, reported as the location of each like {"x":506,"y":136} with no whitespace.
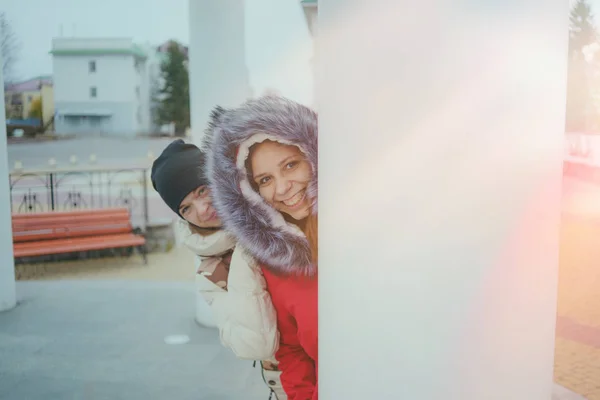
{"x":244,"y":313}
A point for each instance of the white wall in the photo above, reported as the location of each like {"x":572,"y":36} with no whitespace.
{"x":114,"y":78}
{"x":8,"y":298}
{"x":279,"y":49}
{"x":441,"y":144}
{"x":145,"y":88}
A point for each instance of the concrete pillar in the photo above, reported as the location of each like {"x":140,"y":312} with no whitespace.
{"x":441,"y":138}
{"x":8,"y":298}
{"x":218,"y":76}
{"x":279,"y":49}
{"x":217,"y":67}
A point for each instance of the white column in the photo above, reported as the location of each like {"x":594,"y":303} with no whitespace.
{"x":8,"y":298}
{"x":218,"y":76}
{"x":217,"y":67}
{"x":441,"y":138}
{"x":279,"y":48}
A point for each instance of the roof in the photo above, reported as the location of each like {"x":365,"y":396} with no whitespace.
{"x":32,"y":84}
{"x":43,"y":77}
{"x":134,"y":50}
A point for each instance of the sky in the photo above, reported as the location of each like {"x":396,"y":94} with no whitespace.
{"x":36,"y":22}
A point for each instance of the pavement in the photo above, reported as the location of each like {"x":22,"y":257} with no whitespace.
{"x":109,"y":151}
{"x":577,"y":348}
{"x":176,"y":265}
{"x":106,"y":339}
{"x":562,"y":393}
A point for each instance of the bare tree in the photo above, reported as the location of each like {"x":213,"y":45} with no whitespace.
{"x":9,"y":47}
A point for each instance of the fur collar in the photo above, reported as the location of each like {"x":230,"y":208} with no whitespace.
{"x":258,"y":227}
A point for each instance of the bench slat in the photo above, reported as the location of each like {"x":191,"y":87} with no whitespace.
{"x":70,"y":213}
{"x":66,"y":219}
{"x":69,"y":220}
{"x":61,"y":246}
{"x":69,"y":224}
{"x":60,"y":233}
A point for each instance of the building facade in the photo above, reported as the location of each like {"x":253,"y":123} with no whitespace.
{"x":101,"y":86}
{"x":19,"y":98}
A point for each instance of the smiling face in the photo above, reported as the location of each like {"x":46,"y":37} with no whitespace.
{"x":281,"y":173}
{"x":197,"y":209}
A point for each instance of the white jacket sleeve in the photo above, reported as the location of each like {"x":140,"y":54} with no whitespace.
{"x":244,"y":313}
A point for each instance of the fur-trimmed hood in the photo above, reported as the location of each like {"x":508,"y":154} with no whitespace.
{"x":279,"y":246}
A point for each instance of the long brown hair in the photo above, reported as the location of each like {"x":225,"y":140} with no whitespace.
{"x":309,"y":226}
{"x":311,"y":230}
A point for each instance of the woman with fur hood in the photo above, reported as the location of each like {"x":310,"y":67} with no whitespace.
{"x":234,"y":288}
{"x":262,"y":167}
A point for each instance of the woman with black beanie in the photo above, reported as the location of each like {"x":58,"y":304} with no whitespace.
{"x":233,"y":287}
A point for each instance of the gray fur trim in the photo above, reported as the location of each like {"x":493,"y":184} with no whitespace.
{"x":254,"y":223}
{"x":213,"y":120}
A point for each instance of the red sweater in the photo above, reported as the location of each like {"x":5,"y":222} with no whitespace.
{"x":295,"y":300}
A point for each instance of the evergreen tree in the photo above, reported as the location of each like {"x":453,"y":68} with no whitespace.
{"x":582,"y":30}
{"x":581,"y":110}
{"x":174,"y":103}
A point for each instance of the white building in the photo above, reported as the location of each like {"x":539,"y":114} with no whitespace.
{"x":102,"y":86}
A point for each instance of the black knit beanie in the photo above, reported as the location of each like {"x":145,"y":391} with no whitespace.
{"x":178,"y":170}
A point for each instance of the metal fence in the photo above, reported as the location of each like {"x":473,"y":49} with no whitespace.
{"x":82,"y":188}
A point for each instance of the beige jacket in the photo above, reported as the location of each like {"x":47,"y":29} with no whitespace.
{"x":244,"y":313}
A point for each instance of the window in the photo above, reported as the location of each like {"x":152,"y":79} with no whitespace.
{"x":16,"y":99}
{"x":93,"y":92}
{"x":92,"y":66}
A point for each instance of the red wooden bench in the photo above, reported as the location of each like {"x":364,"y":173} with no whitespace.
{"x":49,"y":233}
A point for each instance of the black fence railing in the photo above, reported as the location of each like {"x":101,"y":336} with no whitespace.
{"x":82,"y":188}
